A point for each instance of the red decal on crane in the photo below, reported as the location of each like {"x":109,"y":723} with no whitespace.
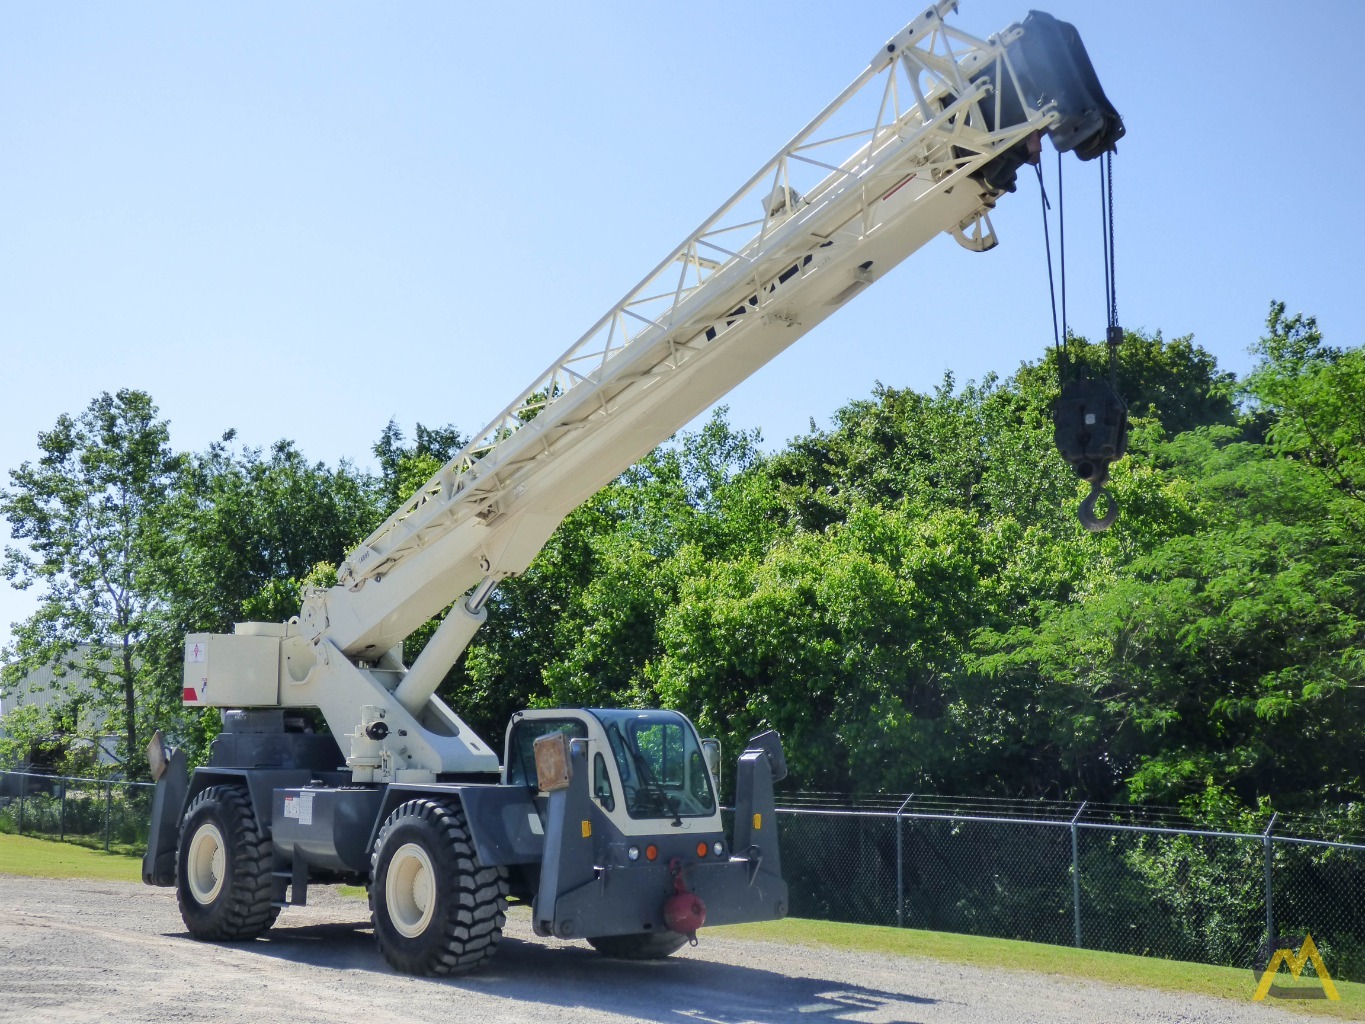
{"x":188,"y":694}
{"x":898,"y":186}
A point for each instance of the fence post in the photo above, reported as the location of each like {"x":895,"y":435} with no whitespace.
{"x":1076,"y":874}
{"x":108,"y":811}
{"x":900,"y":865}
{"x":62,"y":837}
{"x":23,"y":791}
{"x":1268,"y":841}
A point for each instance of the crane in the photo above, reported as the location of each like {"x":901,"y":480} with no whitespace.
{"x":926,"y":139}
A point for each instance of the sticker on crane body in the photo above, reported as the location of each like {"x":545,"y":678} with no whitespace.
{"x":196,"y":653}
{"x":299,"y":807}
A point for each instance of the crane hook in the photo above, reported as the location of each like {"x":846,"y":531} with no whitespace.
{"x":1091,"y":432}
{"x":1086,"y":513}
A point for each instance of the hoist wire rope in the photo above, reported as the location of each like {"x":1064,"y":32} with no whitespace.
{"x":1112,"y":337}
{"x":1061,"y":242}
{"x":1082,"y":396}
{"x":1104,"y":249}
{"x":1112,"y":276}
{"x":1058,"y":341}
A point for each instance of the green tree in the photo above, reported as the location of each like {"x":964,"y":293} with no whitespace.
{"x":1313,"y":390}
{"x":405,"y":467}
{"x":243,"y":529}
{"x":1214,"y":658}
{"x":85,"y":510}
{"x":1176,"y":382}
{"x":843,"y":641}
{"x":580,"y":626}
{"x":239,"y":537}
{"x":985,"y":447}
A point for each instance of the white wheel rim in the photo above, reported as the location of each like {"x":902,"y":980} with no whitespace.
{"x":410,"y":890}
{"x":206,"y":863}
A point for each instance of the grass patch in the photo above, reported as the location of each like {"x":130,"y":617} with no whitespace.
{"x":44,"y":858}
{"x":1111,"y":968}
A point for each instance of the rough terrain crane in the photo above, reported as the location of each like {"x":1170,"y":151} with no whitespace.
{"x":606,"y":822}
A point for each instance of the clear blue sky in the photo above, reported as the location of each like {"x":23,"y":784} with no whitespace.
{"x":301,"y":220}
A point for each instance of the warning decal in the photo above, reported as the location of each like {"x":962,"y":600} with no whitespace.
{"x":300,"y":807}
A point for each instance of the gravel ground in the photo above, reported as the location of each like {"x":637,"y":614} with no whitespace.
{"x":78,"y":951}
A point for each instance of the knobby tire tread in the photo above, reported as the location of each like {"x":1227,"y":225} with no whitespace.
{"x":243,"y":910}
{"x":471,"y":928}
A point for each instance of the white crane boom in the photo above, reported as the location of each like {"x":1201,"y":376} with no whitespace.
{"x":923,"y":141}
{"x":771,"y":262}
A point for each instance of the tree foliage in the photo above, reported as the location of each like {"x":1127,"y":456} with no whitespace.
{"x":906,"y":595}
{"x":87,"y":512}
{"x":1312,"y":392}
{"x":243,"y":528}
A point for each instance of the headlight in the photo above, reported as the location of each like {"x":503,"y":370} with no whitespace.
{"x":633,"y":853}
{"x":718,"y":848}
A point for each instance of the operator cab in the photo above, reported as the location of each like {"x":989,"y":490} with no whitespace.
{"x":648,"y":767}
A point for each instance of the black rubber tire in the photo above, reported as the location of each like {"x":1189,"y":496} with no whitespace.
{"x":241,"y":909}
{"x":468,"y":901}
{"x":642,"y":946}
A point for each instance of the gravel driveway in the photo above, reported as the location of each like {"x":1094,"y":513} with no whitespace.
{"x":77,"y":951}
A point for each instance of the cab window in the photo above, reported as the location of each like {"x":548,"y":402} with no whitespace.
{"x":659,"y":762}
{"x":601,"y":784}
{"x":661,"y":744}
{"x":521,"y":754}
{"x":698,"y":779}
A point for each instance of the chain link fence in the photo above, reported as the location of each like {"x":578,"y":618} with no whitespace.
{"x":1085,"y":876}
{"x":99,"y":813}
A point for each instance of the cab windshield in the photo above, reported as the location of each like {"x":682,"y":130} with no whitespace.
{"x":660,"y":763}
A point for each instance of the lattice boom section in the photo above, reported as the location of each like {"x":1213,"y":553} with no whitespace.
{"x":925,"y":101}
